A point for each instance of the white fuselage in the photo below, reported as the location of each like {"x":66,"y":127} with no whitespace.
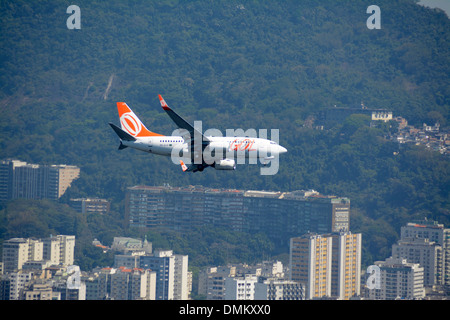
{"x":218,"y":148}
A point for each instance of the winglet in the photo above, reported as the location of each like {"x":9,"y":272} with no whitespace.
{"x":183,"y":166}
{"x":180,"y":122}
{"x":163,"y":103}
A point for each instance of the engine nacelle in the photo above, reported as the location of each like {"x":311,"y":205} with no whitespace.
{"x":225,"y":164}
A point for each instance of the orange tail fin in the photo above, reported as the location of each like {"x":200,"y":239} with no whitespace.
{"x":131,"y":123}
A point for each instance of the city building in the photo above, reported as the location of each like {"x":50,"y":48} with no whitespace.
{"x":280,"y":215}
{"x":434,"y":232}
{"x":90,"y":205}
{"x":262,"y":281}
{"x":427,"y":254}
{"x":382,"y":115}
{"x":124,"y":284}
{"x":172,"y":277}
{"x":328,"y":265}
{"x":38,"y":291}
{"x":19,"y":251}
{"x":127,"y":245}
{"x":13,"y":283}
{"x":278,"y":289}
{"x":310,"y":264}
{"x":181,"y":286}
{"x":211,"y":281}
{"x":399,"y":280}
{"x":61,"y":290}
{"x":240,"y":288}
{"x":19,"y":179}
{"x":91,"y":282}
{"x":130,"y":260}
{"x":346,"y":261}
{"x":59,"y":249}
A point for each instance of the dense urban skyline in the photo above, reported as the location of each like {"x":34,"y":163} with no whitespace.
{"x":358,"y":95}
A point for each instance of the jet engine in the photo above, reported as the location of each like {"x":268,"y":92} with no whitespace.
{"x":225,"y":164}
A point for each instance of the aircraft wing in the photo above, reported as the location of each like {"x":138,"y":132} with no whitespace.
{"x":181,"y":123}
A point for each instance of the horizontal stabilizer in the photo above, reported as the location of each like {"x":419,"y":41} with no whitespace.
{"x":122,"y":134}
{"x":122,"y":146}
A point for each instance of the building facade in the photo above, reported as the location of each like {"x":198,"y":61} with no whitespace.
{"x":434,"y":232}
{"x":211,"y":281}
{"x":279,"y":215}
{"x":90,"y":205}
{"x":427,"y":254}
{"x":278,"y":289}
{"x":346,"y":261}
{"x":18,"y":251}
{"x":172,"y":276}
{"x":328,"y":265}
{"x":59,"y":249}
{"x":310,"y":264}
{"x":20,"y":180}
{"x":399,"y":280}
{"x":241,"y":288}
{"x":123,"y":284}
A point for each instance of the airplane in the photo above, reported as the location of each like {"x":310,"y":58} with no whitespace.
{"x":191,"y":145}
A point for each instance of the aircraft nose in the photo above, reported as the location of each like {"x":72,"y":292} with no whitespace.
{"x":282,"y":150}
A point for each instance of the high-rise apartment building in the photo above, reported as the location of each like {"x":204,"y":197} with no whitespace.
{"x":90,"y":205}
{"x":241,"y":288}
{"x":38,"y":291}
{"x":424,"y":252}
{"x":67,"y":249}
{"x":328,"y":265}
{"x":434,"y":232}
{"x":18,"y":251}
{"x":399,"y":279}
{"x":125,"y":284}
{"x":277,"y":214}
{"x":59,"y":249}
{"x":346,"y":262}
{"x":211,"y":281}
{"x":262,"y":281}
{"x":163,"y":263}
{"x":181,"y":286}
{"x":310,"y":264}
{"x":278,"y":289}
{"x":19,"y":179}
{"x":14,"y":283}
{"x":171,"y":274}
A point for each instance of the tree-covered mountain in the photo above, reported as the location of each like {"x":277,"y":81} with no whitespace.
{"x":233,"y":64}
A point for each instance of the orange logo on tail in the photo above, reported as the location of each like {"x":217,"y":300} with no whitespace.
{"x":131,"y":123}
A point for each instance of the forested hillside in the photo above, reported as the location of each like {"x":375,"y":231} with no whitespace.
{"x":234,"y":64}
